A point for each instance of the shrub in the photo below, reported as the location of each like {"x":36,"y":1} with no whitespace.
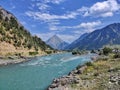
{"x":116,"y":55}
{"x":9,"y":54}
{"x":29,"y":46}
{"x":18,"y":54}
{"x":77,"y":52}
{"x":36,"y":48}
{"x":89,"y":64}
{"x":48,"y":52}
{"x":74,"y":53}
{"x":79,"y":66}
{"x":93,"y":51}
{"x":96,"y":74}
{"x":33,"y":53}
{"x":1,"y":17}
{"x":2,"y":32}
{"x":107,"y":50}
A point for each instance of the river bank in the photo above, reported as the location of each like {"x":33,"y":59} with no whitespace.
{"x":13,"y":60}
{"x":19,"y":59}
{"x":102,"y":74}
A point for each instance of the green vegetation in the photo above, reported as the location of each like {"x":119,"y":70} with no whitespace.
{"x":117,"y":55}
{"x":97,"y":75}
{"x":33,"y":53}
{"x":89,"y":64}
{"x":79,"y":52}
{"x":93,"y":51}
{"x":49,"y":52}
{"x":75,"y":52}
{"x":107,"y":50}
{"x":12,"y":32}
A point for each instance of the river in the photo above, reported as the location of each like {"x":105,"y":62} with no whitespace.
{"x":38,"y":73}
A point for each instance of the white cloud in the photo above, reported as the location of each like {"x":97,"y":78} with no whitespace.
{"x":103,"y":9}
{"x":99,"y":9}
{"x":42,"y":6}
{"x":53,"y":27}
{"x":47,"y":16}
{"x":89,"y":24}
{"x":86,"y":25}
{"x":51,"y":19}
{"x":53,"y":1}
{"x":49,"y":1}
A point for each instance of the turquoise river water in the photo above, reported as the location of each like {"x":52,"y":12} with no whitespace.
{"x":38,"y":73}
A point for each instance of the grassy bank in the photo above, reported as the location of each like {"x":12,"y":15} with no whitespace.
{"x":103,"y":74}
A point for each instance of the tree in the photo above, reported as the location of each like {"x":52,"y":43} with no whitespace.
{"x":107,"y":50}
{"x":0,"y":17}
{"x":29,"y":45}
{"x":13,"y":22}
{"x":6,"y":19}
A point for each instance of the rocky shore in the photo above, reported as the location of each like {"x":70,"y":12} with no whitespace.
{"x":72,"y":78}
{"x":102,"y":74}
{"x":13,"y":60}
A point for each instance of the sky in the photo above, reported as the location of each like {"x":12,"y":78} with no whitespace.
{"x":67,"y":18}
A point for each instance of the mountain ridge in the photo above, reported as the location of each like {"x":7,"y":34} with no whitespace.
{"x":98,"y":38}
{"x":77,"y":40}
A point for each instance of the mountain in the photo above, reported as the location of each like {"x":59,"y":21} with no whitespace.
{"x":14,"y":38}
{"x":57,"y":43}
{"x":76,"y":42}
{"x":98,"y":38}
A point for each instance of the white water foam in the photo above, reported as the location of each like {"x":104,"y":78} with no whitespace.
{"x":70,"y":58}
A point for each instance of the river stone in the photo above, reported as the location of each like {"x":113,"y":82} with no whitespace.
{"x":53,"y":85}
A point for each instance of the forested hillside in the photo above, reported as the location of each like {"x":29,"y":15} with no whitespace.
{"x":14,"y":38}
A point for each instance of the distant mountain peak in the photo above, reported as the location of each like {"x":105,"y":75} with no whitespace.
{"x":54,"y":35}
{"x":56,"y":42}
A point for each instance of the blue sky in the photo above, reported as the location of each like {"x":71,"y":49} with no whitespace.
{"x":66,"y":18}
